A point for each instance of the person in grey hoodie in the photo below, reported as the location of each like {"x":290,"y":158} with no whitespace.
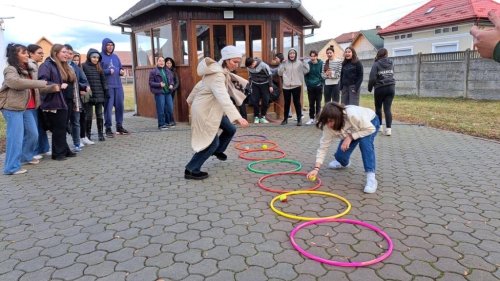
{"x":261,"y":81}
{"x":382,"y":79}
{"x":293,"y":72}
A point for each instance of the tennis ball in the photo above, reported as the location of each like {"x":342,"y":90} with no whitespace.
{"x":313,"y":178}
{"x":282,"y":198}
{"x":264,"y":146}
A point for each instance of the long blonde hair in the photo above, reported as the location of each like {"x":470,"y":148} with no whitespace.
{"x":67,"y":73}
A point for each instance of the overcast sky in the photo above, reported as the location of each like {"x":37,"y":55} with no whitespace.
{"x":85,"y":23}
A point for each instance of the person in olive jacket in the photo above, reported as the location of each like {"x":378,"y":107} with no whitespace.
{"x":19,"y":100}
{"x":99,"y":88}
{"x":351,"y":77}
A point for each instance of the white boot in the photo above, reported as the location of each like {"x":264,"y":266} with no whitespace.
{"x":371,"y":183}
{"x":388,"y":132}
{"x":382,"y":129}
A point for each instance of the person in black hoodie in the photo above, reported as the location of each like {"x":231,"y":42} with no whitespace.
{"x":382,"y":79}
{"x":351,"y":77}
{"x":99,"y":87}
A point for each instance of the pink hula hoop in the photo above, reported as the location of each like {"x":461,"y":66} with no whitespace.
{"x":338,"y":263}
{"x":243,"y":154}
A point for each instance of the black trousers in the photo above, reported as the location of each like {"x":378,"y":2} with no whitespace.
{"x":58,"y":122}
{"x":332,"y":93}
{"x":260,"y":92}
{"x":315,"y":95}
{"x":384,"y":97}
{"x":288,"y":94}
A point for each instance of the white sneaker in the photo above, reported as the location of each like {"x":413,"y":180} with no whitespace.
{"x":256,"y":120}
{"x":310,"y":122}
{"x":382,"y":129}
{"x":388,"y":132}
{"x":371,"y":183}
{"x":48,"y":153}
{"x":86,"y":141}
{"x":38,"y":157}
{"x":336,"y":165}
{"x":34,"y":162}
{"x":263,"y":120}
{"x":18,"y":172}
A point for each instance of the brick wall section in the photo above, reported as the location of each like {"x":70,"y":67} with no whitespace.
{"x":460,"y":74}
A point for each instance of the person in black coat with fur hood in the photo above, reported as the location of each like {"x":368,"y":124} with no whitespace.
{"x":99,"y":88}
{"x":382,"y":79}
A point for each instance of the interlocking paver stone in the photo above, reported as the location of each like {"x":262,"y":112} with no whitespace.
{"x":137,"y":218}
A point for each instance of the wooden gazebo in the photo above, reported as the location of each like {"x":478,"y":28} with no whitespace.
{"x":189,"y":30}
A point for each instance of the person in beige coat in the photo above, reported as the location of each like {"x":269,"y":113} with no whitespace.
{"x":212,"y":108}
{"x":19,"y":99}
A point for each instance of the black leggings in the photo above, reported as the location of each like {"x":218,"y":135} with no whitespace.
{"x":288,"y":94}
{"x":332,"y":93}
{"x":384,"y":96}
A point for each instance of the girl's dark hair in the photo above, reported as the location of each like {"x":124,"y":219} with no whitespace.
{"x":313,"y":52}
{"x":171,"y":60}
{"x":11,"y":54}
{"x":382,"y":53}
{"x":354,"y":56}
{"x":332,"y":111}
{"x":330,"y":49}
{"x":249,"y":61}
{"x":32,"y":48}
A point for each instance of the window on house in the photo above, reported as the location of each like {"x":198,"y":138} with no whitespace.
{"x":446,"y":29}
{"x":437,"y":31}
{"x":287,"y":41}
{"x":402,"y":52}
{"x":396,"y":37}
{"x":220,"y":40}
{"x":143,"y":48}
{"x":183,"y":43}
{"x":297,"y":43}
{"x":409,"y":35}
{"x":445,"y":47}
{"x":162,"y":41}
{"x":274,"y":38}
{"x":239,"y":40}
{"x":255,"y":41}
{"x":403,"y":36}
{"x":202,"y":41}
{"x":455,"y":28}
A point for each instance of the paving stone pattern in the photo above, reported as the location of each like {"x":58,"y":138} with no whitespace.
{"x":122,"y":210}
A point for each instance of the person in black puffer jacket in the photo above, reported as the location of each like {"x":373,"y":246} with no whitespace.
{"x":99,"y":88}
{"x":382,"y":79}
{"x":351,"y":77}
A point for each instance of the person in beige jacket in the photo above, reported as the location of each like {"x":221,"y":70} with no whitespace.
{"x":212,"y":108}
{"x":353,"y":125}
{"x":19,"y":99}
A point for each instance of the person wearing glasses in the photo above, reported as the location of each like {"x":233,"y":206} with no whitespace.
{"x":212,"y":108}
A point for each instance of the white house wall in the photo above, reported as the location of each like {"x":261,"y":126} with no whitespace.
{"x":423,"y":41}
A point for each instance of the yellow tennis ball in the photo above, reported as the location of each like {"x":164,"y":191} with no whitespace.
{"x":282,"y":198}
{"x":264,"y":146}
{"x":313,"y":178}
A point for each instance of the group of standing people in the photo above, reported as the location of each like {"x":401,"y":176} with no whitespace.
{"x":59,"y":96}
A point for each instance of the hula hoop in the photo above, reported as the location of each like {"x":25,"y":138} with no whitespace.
{"x":261,"y":185}
{"x":272,"y":143}
{"x":284,"y":160}
{"x":286,"y":215}
{"x":339,"y":263}
{"x":235,"y":139}
{"x":242,"y":154}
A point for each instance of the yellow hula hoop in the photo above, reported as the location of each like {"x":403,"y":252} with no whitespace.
{"x":286,"y":215}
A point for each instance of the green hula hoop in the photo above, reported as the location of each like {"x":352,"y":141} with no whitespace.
{"x":294,"y":162}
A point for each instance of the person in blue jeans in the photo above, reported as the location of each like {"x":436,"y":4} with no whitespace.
{"x":19,"y":100}
{"x":160,"y":80}
{"x":354,"y":125}
{"x":212,"y":108}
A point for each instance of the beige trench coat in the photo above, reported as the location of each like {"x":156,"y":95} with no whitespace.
{"x":210,"y":101}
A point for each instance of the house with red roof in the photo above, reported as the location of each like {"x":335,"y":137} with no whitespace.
{"x":345,"y":39}
{"x":438,"y":26}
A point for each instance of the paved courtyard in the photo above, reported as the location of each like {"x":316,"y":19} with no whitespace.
{"x":122,"y":210}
